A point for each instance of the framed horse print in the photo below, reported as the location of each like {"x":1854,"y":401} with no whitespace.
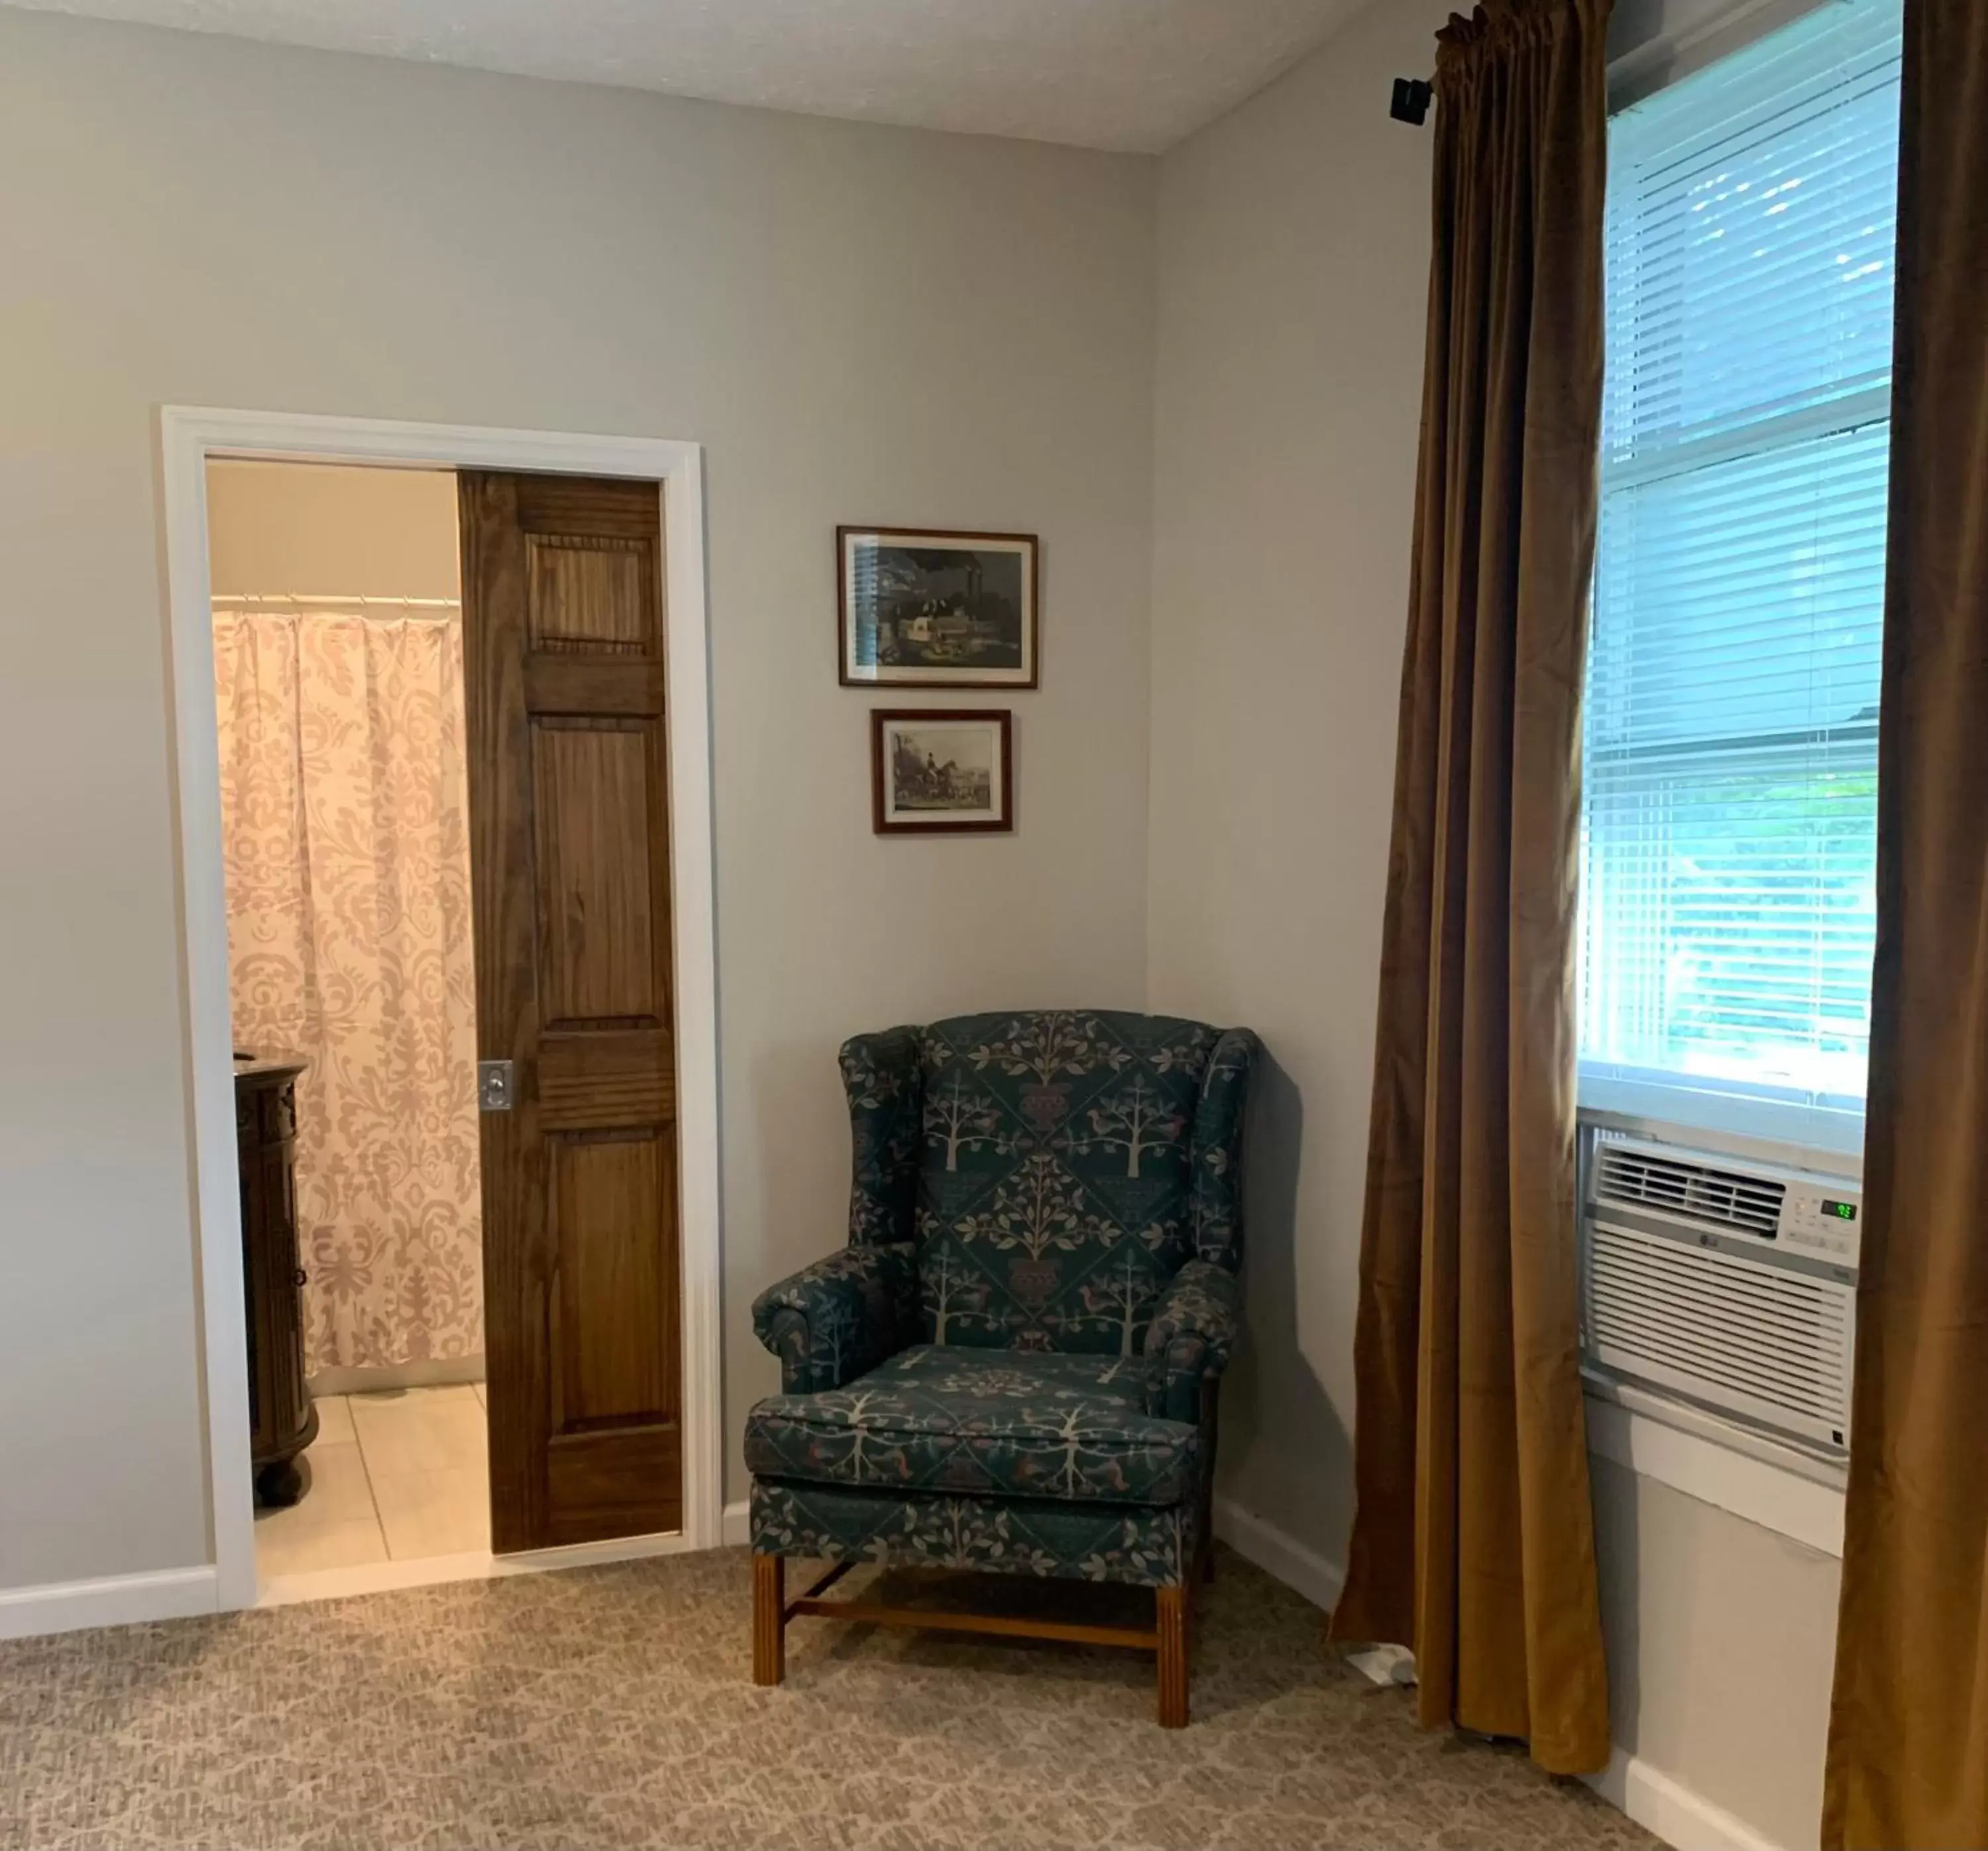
{"x":934,"y":773}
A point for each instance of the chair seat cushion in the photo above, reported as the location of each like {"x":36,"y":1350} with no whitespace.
{"x":998,"y":1423}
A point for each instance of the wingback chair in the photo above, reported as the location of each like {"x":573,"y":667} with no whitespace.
{"x":1012,"y":1367}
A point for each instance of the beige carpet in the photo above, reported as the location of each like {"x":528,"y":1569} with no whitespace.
{"x":612,"y":1707}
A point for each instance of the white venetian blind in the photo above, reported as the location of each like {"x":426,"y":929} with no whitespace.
{"x":1729,"y":817}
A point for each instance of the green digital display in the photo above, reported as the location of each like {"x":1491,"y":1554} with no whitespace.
{"x":1840,"y":1211}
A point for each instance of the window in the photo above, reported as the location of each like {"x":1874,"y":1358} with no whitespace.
{"x":1729,"y":825}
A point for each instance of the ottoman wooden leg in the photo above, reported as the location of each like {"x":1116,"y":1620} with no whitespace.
{"x":770,"y":1618}
{"x":1172,"y":1626}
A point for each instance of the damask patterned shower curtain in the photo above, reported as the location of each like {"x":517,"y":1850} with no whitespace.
{"x":345,"y":809}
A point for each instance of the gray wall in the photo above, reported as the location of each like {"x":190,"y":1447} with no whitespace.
{"x":1722,"y":1649}
{"x":1293,"y":262}
{"x":1294,"y":255}
{"x":861,"y":324}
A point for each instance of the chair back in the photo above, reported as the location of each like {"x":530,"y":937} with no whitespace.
{"x":1058,"y":1167}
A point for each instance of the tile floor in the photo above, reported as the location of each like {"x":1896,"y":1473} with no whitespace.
{"x":393,"y":1478}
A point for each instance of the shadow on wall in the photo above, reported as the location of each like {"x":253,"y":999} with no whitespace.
{"x":1616,"y":1496}
{"x":1275,"y":1409}
{"x":799,"y":1211}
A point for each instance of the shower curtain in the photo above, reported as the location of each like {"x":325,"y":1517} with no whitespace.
{"x":345,"y":812}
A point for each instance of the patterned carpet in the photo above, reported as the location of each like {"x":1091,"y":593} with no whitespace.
{"x":612,"y":1707}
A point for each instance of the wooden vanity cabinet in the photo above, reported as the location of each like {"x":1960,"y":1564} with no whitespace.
{"x":283,"y":1419}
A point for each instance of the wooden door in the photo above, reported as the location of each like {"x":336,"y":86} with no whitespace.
{"x":563,"y":633}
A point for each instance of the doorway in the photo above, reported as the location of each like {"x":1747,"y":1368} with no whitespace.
{"x":338,"y":646}
{"x":592,"y":1354}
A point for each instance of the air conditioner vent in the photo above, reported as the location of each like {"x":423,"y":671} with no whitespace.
{"x":1768,"y":1343}
{"x":1634,"y":1178}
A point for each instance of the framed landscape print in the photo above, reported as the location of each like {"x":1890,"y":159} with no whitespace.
{"x":937,"y":773}
{"x":924,"y":608}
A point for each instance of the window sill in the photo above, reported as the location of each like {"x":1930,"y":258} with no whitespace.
{"x":1780,"y":1488}
{"x":1773,"y":1131}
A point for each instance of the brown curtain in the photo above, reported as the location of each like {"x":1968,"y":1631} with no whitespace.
{"x":1908,"y":1736}
{"x":1473,"y":1541}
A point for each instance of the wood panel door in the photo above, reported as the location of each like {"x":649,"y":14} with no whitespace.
{"x":563,"y":634}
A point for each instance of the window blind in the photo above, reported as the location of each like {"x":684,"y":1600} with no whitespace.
{"x":1729,"y":825}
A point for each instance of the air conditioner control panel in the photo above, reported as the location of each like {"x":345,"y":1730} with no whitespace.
{"x":1829,"y":1225}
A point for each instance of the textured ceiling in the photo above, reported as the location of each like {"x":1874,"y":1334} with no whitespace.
{"x":1129,"y":74}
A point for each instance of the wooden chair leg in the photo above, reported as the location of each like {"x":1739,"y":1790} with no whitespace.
{"x":1210,"y":1432}
{"x":1171,"y":1620}
{"x":770,"y":1618}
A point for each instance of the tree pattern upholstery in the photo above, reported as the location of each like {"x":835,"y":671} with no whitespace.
{"x":1068,"y":1541}
{"x":968,"y":1420}
{"x":1012,"y":1365}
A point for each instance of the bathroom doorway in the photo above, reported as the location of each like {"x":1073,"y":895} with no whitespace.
{"x":467,"y":993}
{"x":340,"y":731}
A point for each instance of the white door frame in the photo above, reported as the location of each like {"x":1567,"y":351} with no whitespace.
{"x":189,"y":436}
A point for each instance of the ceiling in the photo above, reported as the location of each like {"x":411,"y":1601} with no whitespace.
{"x":1133,"y":74}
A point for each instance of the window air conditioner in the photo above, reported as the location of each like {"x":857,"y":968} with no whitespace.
{"x":1731,"y":1283}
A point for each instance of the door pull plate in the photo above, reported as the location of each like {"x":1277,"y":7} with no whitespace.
{"x":495,"y":1086}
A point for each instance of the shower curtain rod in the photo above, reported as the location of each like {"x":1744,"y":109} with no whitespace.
{"x":297,"y":597}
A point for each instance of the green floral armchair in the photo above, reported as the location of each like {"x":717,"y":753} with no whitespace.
{"x":1012,"y":1365}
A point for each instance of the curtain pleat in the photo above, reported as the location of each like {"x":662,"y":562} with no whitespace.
{"x":1473,"y":1538}
{"x":344,"y":805}
{"x":1908,"y":1731}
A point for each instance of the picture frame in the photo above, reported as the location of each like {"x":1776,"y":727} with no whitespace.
{"x":942,"y":771}
{"x":936,"y":607}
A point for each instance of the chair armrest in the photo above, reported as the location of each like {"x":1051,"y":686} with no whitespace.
{"x":1188,"y":1341}
{"x":840,"y":1318}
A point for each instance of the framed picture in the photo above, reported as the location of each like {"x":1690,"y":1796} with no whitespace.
{"x":923,"y":608}
{"x":934,"y":773}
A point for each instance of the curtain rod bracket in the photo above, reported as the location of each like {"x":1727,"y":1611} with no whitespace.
{"x":1412,"y":98}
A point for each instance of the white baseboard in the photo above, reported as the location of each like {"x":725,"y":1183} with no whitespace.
{"x":736,"y":1530}
{"x":1277,"y":1553}
{"x":445,"y":1373}
{"x":65,"y":1606}
{"x":1672,"y":1811}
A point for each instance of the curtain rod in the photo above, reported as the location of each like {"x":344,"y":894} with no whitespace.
{"x":297,"y":597}
{"x":1412,"y":98}
{"x":1652,"y":42}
